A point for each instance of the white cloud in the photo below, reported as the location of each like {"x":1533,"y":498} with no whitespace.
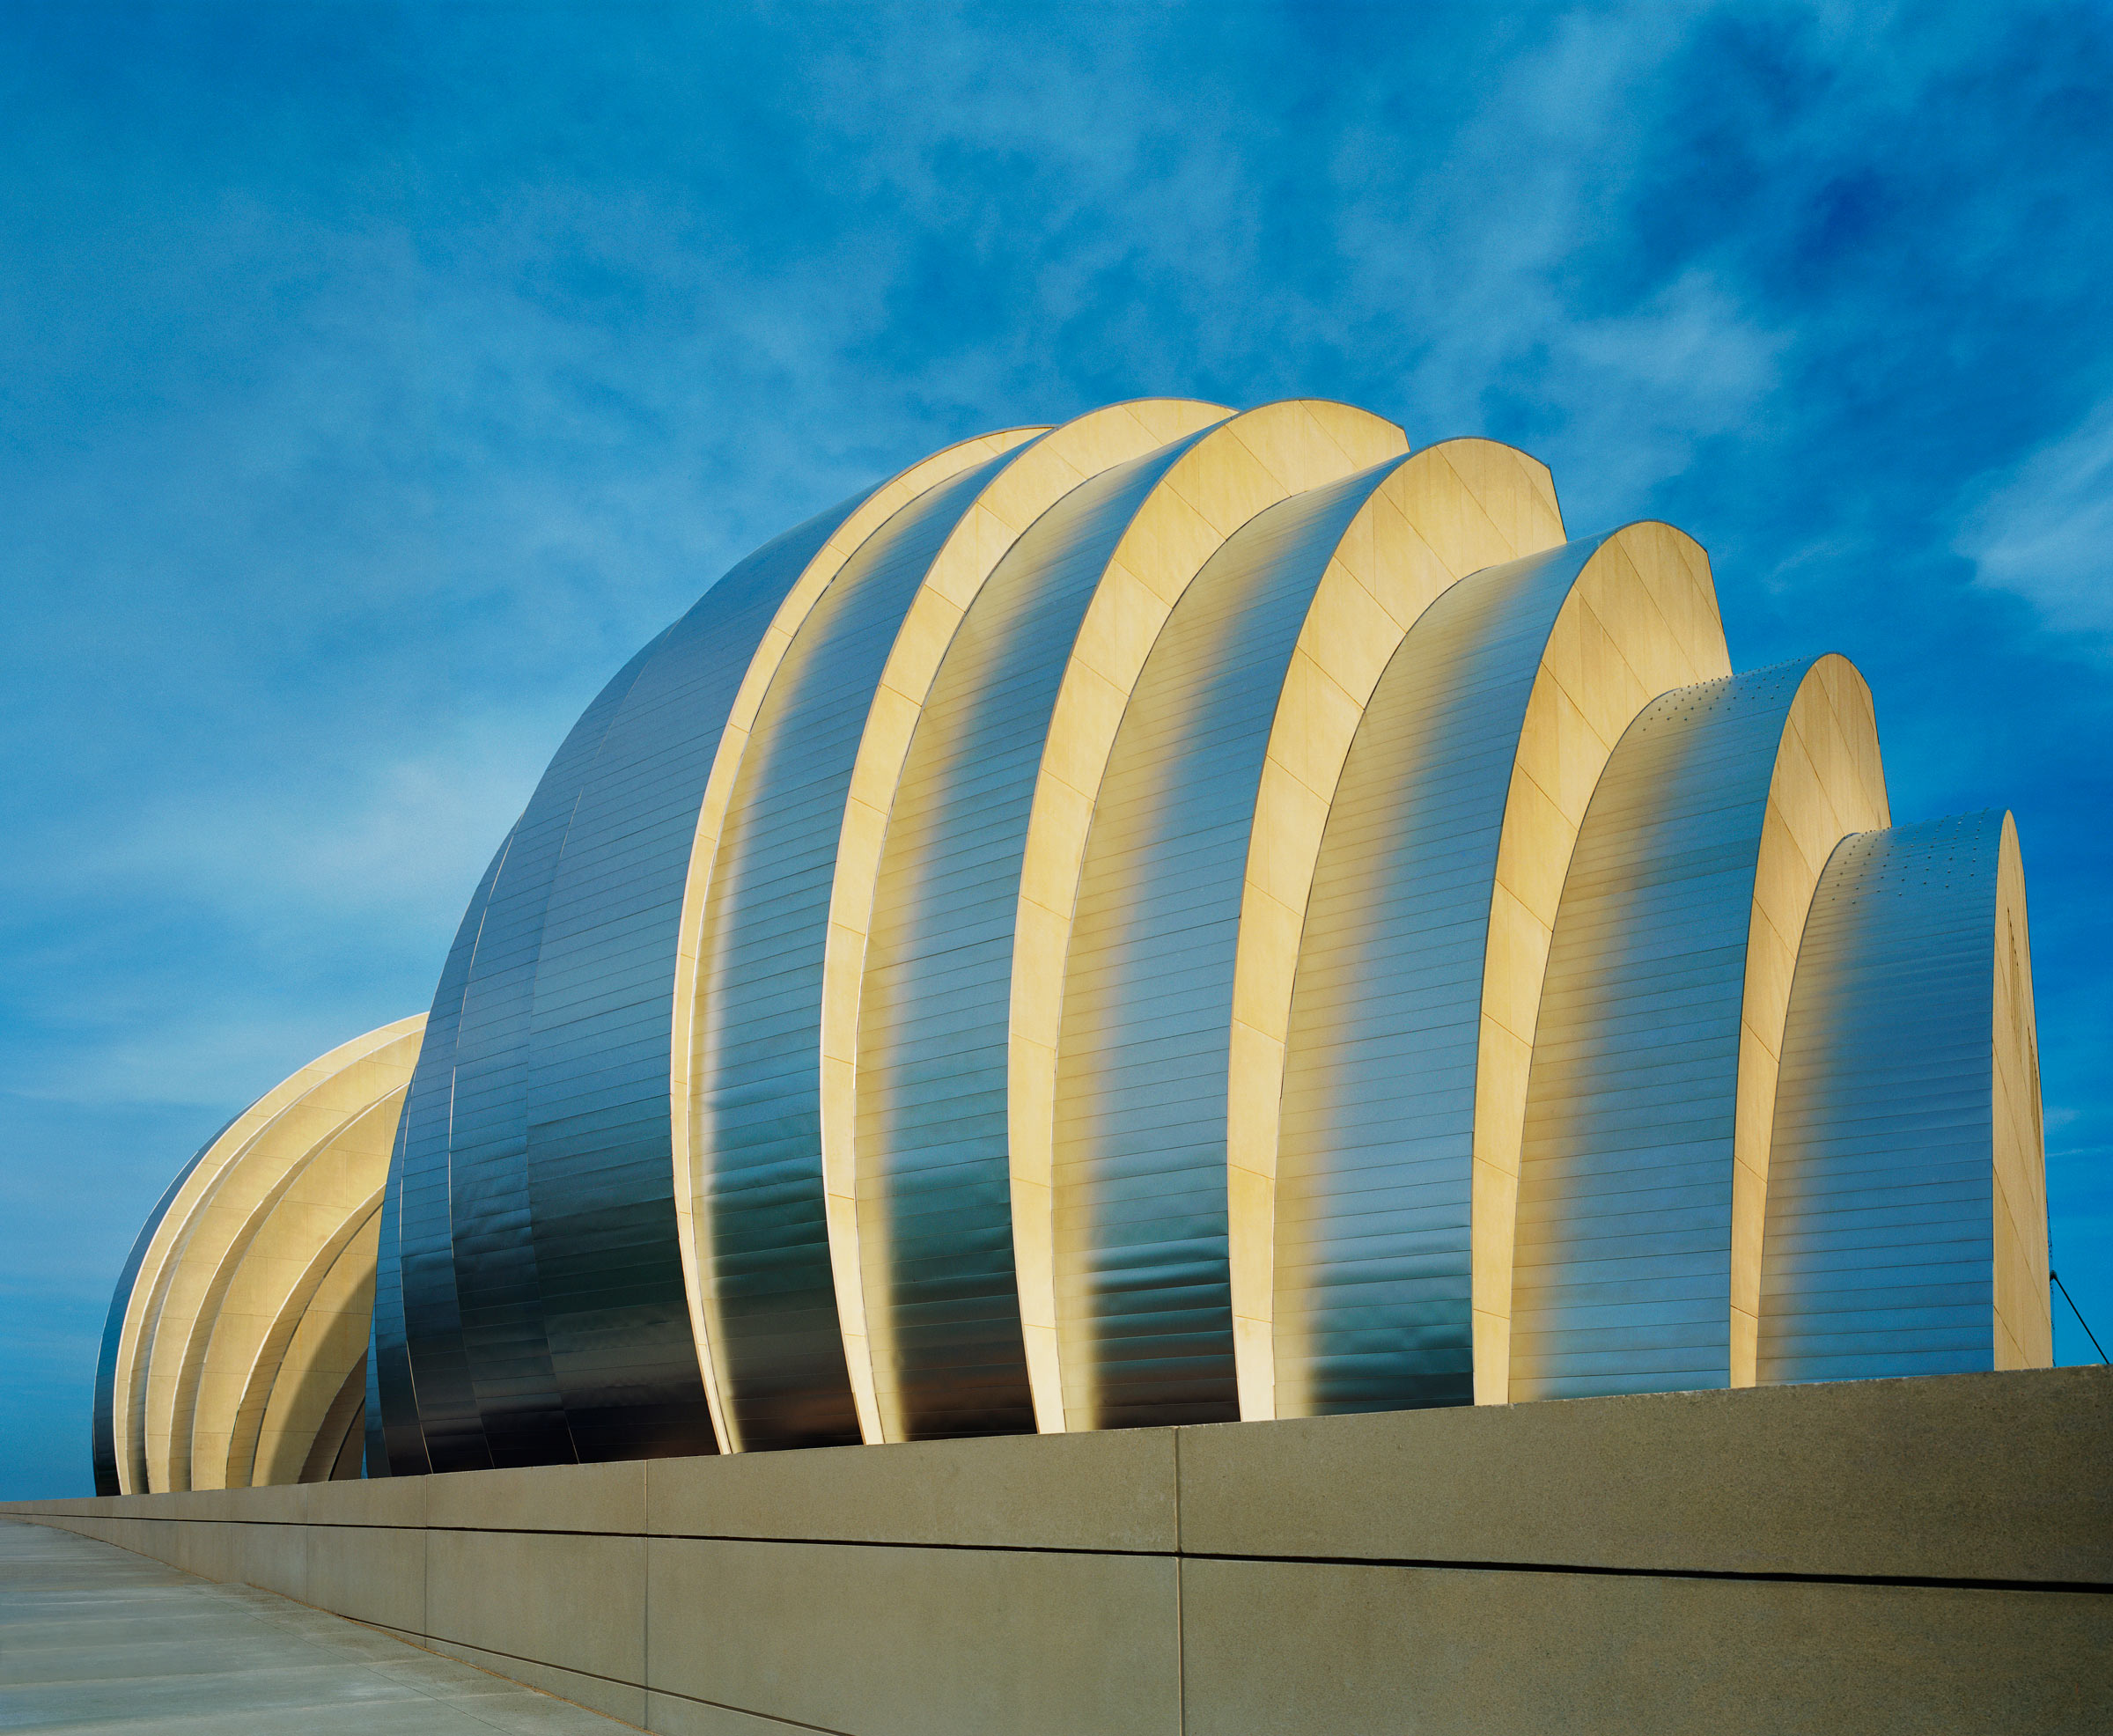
{"x":2044,"y":530}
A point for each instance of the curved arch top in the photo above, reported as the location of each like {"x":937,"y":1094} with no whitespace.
{"x":537,"y":1245}
{"x":1906,"y":1227}
{"x":1422,"y":952}
{"x":1653,"y":1087}
{"x":235,"y":1262}
{"x":1186,"y":914}
{"x":1239,"y":469}
{"x":1015,"y":498}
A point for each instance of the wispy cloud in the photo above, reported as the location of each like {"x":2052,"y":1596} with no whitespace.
{"x":2044,"y":531}
{"x":378,"y":380}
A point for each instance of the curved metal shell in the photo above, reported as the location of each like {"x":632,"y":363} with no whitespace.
{"x":1183,"y":916}
{"x":1142,"y":1061}
{"x":874,"y":1294}
{"x":762,"y":1232}
{"x":931,"y":1122}
{"x":1654,"y":1078}
{"x":1236,"y":472}
{"x":542,"y":1272}
{"x":1450,"y":509}
{"x":1422,"y":951}
{"x":1904,"y":1222}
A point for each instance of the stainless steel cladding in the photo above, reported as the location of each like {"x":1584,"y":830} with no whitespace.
{"x":766,"y":1256}
{"x":1181,"y":916}
{"x":1653,"y":1082}
{"x":936,"y":1205}
{"x":1886,"y":1218}
{"x":1375,"y":1176}
{"x":537,"y":1221}
{"x":1143,"y":1277}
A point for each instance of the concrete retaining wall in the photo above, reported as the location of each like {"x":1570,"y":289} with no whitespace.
{"x":1929,"y":1555}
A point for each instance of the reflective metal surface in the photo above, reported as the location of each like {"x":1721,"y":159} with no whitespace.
{"x":1145,"y":770}
{"x":483,"y":1343}
{"x":395,"y":1430}
{"x":931,"y":1129}
{"x":1622,"y":1274}
{"x":1143,"y":1280}
{"x":102,"y":1438}
{"x":1878,"y":1256}
{"x":1374,"y":1180}
{"x":765,"y":1258}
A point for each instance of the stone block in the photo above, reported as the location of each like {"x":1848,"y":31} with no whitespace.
{"x":1986,"y":1476}
{"x":917,"y":1642}
{"x":1084,"y":1491}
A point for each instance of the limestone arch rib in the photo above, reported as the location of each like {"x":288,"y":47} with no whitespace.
{"x":931,"y":1133}
{"x":334,"y":1191}
{"x":1041,"y":474}
{"x":872,"y":513}
{"x":326,"y":1349}
{"x":209,"y":1227}
{"x":103,"y":1427}
{"x":754,"y":1115}
{"x":197,"y":1397}
{"x":1642,"y":619}
{"x":1654,"y":1064}
{"x":2024,"y":1326}
{"x":148,"y":1280}
{"x":1448,"y":510}
{"x":1242,"y":468}
{"x":1480,"y":742}
{"x":1906,"y":1227}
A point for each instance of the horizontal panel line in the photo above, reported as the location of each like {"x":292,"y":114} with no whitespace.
{"x":2093,"y":1587}
{"x":412,"y":1636}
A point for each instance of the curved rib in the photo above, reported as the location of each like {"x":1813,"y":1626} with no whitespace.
{"x":207,"y":1300}
{"x":1242,"y":468}
{"x":331,"y":1192}
{"x":170,"y":1314}
{"x":936,"y":989}
{"x":1450,"y":509}
{"x":326,"y":1350}
{"x":2024,"y":1326}
{"x":105,"y":1450}
{"x":1903,"y":1212}
{"x":296,"y":1261}
{"x":799,"y":600}
{"x":1041,"y":475}
{"x":1652,"y":1092}
{"x":1437,"y":875}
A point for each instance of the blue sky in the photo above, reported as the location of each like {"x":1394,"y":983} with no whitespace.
{"x":375,"y":378}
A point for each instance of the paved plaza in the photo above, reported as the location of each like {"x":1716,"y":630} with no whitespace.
{"x":94,"y":1638}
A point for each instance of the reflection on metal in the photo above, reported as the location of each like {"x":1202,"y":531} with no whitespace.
{"x":1449,"y":510}
{"x":1892,"y":1242}
{"x":891,"y":1381}
{"x":242,"y":1318}
{"x":850,"y":535}
{"x":1069,"y":1224}
{"x":755,"y":1127}
{"x":1148,"y":978}
{"x":546,"y":1308}
{"x":1185,"y":916}
{"x":931,"y":1126}
{"x":1420,"y":967}
{"x":1654,"y":1075}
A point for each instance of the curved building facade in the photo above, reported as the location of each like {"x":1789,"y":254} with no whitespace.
{"x":236,"y":1349}
{"x":1177,"y":917}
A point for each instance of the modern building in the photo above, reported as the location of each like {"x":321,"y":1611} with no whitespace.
{"x":1181,"y":917}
